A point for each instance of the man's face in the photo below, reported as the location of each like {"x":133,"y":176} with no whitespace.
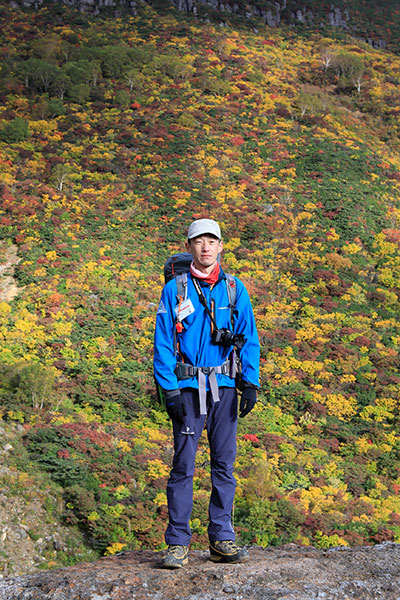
{"x":204,"y":249}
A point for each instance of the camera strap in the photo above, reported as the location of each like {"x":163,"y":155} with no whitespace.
{"x":238,"y":339}
{"x":203,"y":301}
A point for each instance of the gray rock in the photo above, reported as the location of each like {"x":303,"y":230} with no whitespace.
{"x":286,"y":573}
{"x":230,"y":589}
{"x":272,"y":14}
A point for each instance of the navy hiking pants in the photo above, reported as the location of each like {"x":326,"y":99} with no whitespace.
{"x":221,"y":423}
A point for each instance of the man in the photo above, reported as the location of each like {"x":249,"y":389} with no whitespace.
{"x":195,"y":357}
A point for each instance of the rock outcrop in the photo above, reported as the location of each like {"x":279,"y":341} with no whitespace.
{"x":8,"y":261}
{"x":273,"y":13}
{"x":32,"y":533}
{"x":90,"y":6}
{"x":286,"y":573}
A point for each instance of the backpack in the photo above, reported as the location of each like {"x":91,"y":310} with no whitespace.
{"x":178,"y":266}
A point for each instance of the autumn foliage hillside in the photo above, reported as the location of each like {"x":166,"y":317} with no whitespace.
{"x":114,"y":135}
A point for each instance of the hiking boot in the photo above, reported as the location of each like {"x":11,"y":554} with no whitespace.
{"x":228,"y":552}
{"x":176,"y":557}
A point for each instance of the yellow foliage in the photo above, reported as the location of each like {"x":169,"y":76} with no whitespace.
{"x":24,"y":325}
{"x":180,"y":198}
{"x":42,"y":126}
{"x":5,"y":308}
{"x":62,"y":328}
{"x":332,"y":471}
{"x":160,"y":499}
{"x":114,"y":548}
{"x":340,"y":406}
{"x":93,"y":516}
{"x":156,"y":469}
{"x":384,"y":247}
{"x":378,"y":413}
{"x":351,"y":248}
{"x":210,"y":161}
{"x":322,"y":499}
{"x":333,"y":236}
{"x":355,"y":293}
{"x":104,"y":249}
{"x":348,"y":378}
{"x":232,"y":243}
{"x":310,"y":331}
{"x":330,"y":541}
{"x":7,"y":178}
{"x":303,"y":541}
{"x":156,"y":436}
{"x":86,"y":413}
{"x":125,"y":447}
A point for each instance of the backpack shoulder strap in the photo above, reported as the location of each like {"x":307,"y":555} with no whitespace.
{"x":231,"y":288}
{"x":181,"y":296}
{"x":181,"y":286}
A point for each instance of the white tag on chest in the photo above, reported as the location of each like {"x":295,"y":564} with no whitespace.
{"x":184,"y":309}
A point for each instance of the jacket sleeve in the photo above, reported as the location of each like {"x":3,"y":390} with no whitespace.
{"x":245,"y":324}
{"x":164,"y":351}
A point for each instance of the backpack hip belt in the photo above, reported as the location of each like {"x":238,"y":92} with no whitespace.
{"x":185,"y":371}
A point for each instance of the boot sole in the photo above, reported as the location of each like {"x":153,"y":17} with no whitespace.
{"x":176,"y":566}
{"x":228,"y":559}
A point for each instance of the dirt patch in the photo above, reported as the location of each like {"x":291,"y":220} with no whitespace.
{"x":8,"y":261}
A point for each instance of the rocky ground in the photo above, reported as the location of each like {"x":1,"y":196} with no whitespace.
{"x":286,"y":573}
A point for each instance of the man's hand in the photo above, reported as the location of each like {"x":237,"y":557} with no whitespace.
{"x":174,"y":405}
{"x":248,"y":400}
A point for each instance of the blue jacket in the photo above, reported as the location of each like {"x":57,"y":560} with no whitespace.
{"x":194,"y":342}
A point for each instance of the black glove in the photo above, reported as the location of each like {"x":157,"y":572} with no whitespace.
{"x":174,"y":405}
{"x":248,"y":399}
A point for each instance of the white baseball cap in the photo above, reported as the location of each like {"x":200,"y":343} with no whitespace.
{"x":203,"y":226}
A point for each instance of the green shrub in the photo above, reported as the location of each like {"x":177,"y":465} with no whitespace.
{"x":27,"y":386}
{"x":37,"y":74}
{"x":79,"y":93}
{"x":187,"y":120}
{"x":212,"y":85}
{"x":114,"y":61}
{"x":16,"y":130}
{"x":122,"y":98}
{"x":56,"y":108}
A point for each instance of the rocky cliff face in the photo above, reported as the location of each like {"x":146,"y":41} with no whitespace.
{"x":287,"y":573}
{"x":275,"y":13}
{"x":91,"y":6}
{"x":32,"y":535}
{"x":272,"y":13}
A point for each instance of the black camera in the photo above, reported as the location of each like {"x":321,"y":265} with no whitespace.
{"x":225,"y":337}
